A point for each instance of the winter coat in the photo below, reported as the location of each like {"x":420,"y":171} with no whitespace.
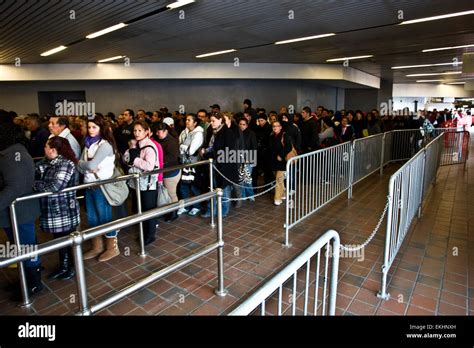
{"x":17,"y":173}
{"x":191,"y":142}
{"x":309,"y":135}
{"x":279,"y":148}
{"x":60,"y":212}
{"x":147,"y":161}
{"x":225,"y":142}
{"x":170,"y":147}
{"x":99,"y":155}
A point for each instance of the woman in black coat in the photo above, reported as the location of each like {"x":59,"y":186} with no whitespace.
{"x":17,"y":174}
{"x":280,"y":146}
{"x":222,"y":148}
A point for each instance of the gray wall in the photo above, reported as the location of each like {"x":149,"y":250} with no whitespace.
{"x":363,"y":99}
{"x":115,"y":96}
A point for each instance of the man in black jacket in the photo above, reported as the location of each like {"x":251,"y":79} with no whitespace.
{"x":309,"y":132}
{"x":262,"y":133}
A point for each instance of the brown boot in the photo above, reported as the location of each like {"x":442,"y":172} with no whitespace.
{"x":97,"y":248}
{"x":111,"y":249}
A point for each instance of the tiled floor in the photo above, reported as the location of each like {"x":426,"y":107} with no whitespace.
{"x":432,"y":275}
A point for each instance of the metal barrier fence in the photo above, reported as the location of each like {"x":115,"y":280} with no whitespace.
{"x":21,"y":270}
{"x":456,"y":148}
{"x":366,"y":158}
{"x":314,"y":180}
{"x":76,"y":240}
{"x":407,"y":188}
{"x":307,"y":277}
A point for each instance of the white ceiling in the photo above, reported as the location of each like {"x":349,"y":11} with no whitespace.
{"x":30,"y":27}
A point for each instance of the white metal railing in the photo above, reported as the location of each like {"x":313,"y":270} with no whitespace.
{"x":456,"y":148}
{"x":76,"y":240}
{"x":366,"y":158}
{"x":407,"y":188}
{"x":307,"y":284}
{"x":26,"y":302}
{"x":313,"y":180}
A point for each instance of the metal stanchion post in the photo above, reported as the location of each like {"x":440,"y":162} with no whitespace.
{"x":80,"y":273}
{"x":351,"y":170}
{"x":139,"y":211}
{"x":211,"y":186}
{"x":21,"y":269}
{"x":220,"y":291}
{"x":382,"y":154}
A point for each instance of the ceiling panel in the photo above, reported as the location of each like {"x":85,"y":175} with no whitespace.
{"x":30,"y":27}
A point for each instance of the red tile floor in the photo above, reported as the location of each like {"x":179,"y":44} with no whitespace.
{"x":433,"y":273}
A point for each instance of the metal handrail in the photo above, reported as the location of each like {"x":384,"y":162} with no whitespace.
{"x":76,"y":240}
{"x":16,"y":238}
{"x":259,"y":297}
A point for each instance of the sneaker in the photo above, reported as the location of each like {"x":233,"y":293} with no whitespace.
{"x":182,"y":211}
{"x":194,"y":212}
{"x":206,"y":215}
{"x":277,"y":202}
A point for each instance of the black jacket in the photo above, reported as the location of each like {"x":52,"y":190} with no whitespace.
{"x":279,"y":148}
{"x":17,"y":174}
{"x":37,"y":142}
{"x":170,"y":146}
{"x":225,"y":143}
{"x":309,"y":135}
{"x":262,"y":134}
{"x":294,"y":133}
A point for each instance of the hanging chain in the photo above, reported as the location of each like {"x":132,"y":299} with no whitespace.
{"x":373,"y":233}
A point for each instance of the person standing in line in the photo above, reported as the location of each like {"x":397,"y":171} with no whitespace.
{"x":97,"y":163}
{"x":59,"y":212}
{"x":143,"y":156}
{"x":280,"y":146}
{"x":16,"y":179}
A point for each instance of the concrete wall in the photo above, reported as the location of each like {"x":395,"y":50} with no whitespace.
{"x":363,"y":99}
{"x":116,"y":95}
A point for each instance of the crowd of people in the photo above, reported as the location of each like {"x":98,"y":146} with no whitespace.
{"x":249,"y":148}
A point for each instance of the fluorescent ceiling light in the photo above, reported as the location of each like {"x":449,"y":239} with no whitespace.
{"x":179,"y":3}
{"x":107,"y":30}
{"x":215,"y":53}
{"x":446,"y":48}
{"x":434,"y":18}
{"x":304,"y":38}
{"x":429,"y":80}
{"x":425,"y":65}
{"x":456,"y":83}
{"x":348,"y":58}
{"x":53,"y":51}
{"x":109,"y":59}
{"x":434,"y":74}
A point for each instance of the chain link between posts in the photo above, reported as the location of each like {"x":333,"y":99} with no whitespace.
{"x":373,"y":233}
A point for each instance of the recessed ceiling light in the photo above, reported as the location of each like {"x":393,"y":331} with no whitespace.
{"x":429,"y":80}
{"x":434,"y":18}
{"x":348,"y":58}
{"x":304,"y":39}
{"x":215,"y":53}
{"x":447,"y":48}
{"x":435,"y":74}
{"x":106,"y":30}
{"x":110,"y":59}
{"x":425,"y":65}
{"x":179,"y":3}
{"x":53,"y":51}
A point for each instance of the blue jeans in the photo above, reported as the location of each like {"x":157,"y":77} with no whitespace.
{"x":247,"y":190}
{"x":187,"y":189}
{"x":27,"y":239}
{"x":225,"y":203}
{"x":99,"y":211}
